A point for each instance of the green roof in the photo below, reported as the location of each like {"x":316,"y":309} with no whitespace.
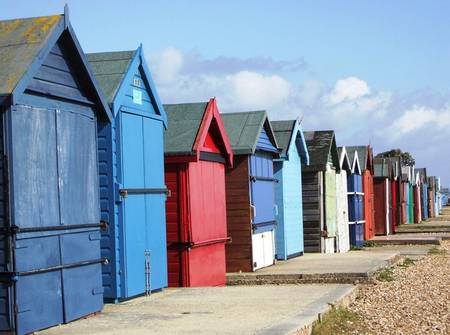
{"x":184,"y":121}
{"x":283,"y":133}
{"x":110,"y":68}
{"x":244,"y":129}
{"x":321,"y":148}
{"x":20,"y":43}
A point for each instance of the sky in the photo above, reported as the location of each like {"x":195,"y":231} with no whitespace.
{"x":376,"y":72}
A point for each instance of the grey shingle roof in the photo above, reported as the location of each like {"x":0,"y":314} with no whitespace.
{"x":381,"y":167}
{"x":20,"y":42}
{"x":184,"y":121}
{"x":244,"y":129}
{"x":362,"y":155}
{"x":110,"y":69}
{"x":321,"y":146}
{"x":283,"y":134}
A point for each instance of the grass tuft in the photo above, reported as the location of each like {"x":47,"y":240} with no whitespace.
{"x":386,"y":275}
{"x":437,"y":251}
{"x":340,"y":321}
{"x":407,"y":262}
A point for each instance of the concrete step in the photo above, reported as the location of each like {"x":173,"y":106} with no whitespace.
{"x":406,"y":239}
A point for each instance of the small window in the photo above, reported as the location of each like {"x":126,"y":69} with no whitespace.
{"x":137,"y":82}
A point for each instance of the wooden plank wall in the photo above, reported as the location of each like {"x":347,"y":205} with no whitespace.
{"x":311,"y":211}
{"x":239,"y":251}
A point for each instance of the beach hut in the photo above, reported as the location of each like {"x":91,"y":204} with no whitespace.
{"x":319,"y":192}
{"x":396,"y":194}
{"x":406,"y":182}
{"x":416,"y":198}
{"x":197,"y":150}
{"x":342,"y":216}
{"x":132,"y":189}
{"x":423,"y":192}
{"x":50,"y":214}
{"x":288,"y":189}
{"x":438,"y":196}
{"x":382,"y":196}
{"x":365,"y":159}
{"x":250,"y":190}
{"x":431,"y":195}
{"x":355,"y":201}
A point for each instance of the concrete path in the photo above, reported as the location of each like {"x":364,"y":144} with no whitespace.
{"x":346,"y":268}
{"x":221,"y":310}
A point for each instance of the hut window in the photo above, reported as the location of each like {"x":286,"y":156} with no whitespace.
{"x":137,"y":82}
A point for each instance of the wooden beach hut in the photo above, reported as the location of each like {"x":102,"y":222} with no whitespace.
{"x":197,"y":150}
{"x":50,"y":104}
{"x":250,"y":190}
{"x":319,"y":192}
{"x":132,"y":188}
{"x":342,"y":216}
{"x":288,"y":188}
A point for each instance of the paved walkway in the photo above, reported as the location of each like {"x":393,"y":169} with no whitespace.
{"x":220,"y":310}
{"x":328,"y":268}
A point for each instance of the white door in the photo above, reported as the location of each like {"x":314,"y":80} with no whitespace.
{"x":263,"y":249}
{"x":343,"y":234}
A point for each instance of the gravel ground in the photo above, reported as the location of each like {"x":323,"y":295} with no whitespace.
{"x":416,"y":301}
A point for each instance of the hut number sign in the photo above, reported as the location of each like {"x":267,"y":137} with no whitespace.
{"x":137,"y":97}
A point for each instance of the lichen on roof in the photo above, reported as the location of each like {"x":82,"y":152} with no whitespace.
{"x":110,"y":68}
{"x":244,"y":129}
{"x":283,"y":133}
{"x":184,"y":121}
{"x":20,"y":43}
{"x":322,"y":149}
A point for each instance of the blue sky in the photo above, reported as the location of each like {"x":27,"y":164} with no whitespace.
{"x":375,"y":71}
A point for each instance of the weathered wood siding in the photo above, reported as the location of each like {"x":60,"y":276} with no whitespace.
{"x":312,"y":210}
{"x":239,"y":251}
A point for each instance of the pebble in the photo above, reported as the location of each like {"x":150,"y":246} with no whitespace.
{"x":417,"y":301}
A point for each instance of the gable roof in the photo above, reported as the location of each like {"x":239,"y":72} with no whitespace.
{"x":112,"y":70}
{"x":344,"y":160}
{"x":244,"y":129}
{"x":364,"y":156}
{"x":321,"y":144}
{"x":382,"y":167}
{"x":24,"y":46}
{"x":287,"y":133}
{"x":422,"y":174}
{"x":188,"y":126}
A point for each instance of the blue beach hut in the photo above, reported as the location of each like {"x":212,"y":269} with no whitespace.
{"x":355,"y":201}
{"x":132,"y":189}
{"x":288,"y":189}
{"x":50,"y":264}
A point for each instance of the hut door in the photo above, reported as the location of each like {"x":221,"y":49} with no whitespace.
{"x":55,"y":178}
{"x":263,"y":202}
{"x":142,"y":212}
{"x":133,"y":204}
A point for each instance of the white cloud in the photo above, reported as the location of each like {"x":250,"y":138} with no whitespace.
{"x":418,"y":117}
{"x":167,"y":65}
{"x":254,"y":90}
{"x":347,"y":89}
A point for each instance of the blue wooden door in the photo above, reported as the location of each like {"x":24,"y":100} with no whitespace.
{"x":54,"y":183}
{"x":133,"y":205}
{"x":262,"y":191}
{"x":144,"y":241}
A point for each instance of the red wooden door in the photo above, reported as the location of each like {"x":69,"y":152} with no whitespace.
{"x":369,"y":226}
{"x":208,"y":223}
{"x":380,"y":205}
{"x":176,"y":210}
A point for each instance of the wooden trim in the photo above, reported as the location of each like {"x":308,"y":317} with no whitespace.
{"x":212,"y":157}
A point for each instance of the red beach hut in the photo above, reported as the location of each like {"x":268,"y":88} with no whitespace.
{"x":197,"y":149}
